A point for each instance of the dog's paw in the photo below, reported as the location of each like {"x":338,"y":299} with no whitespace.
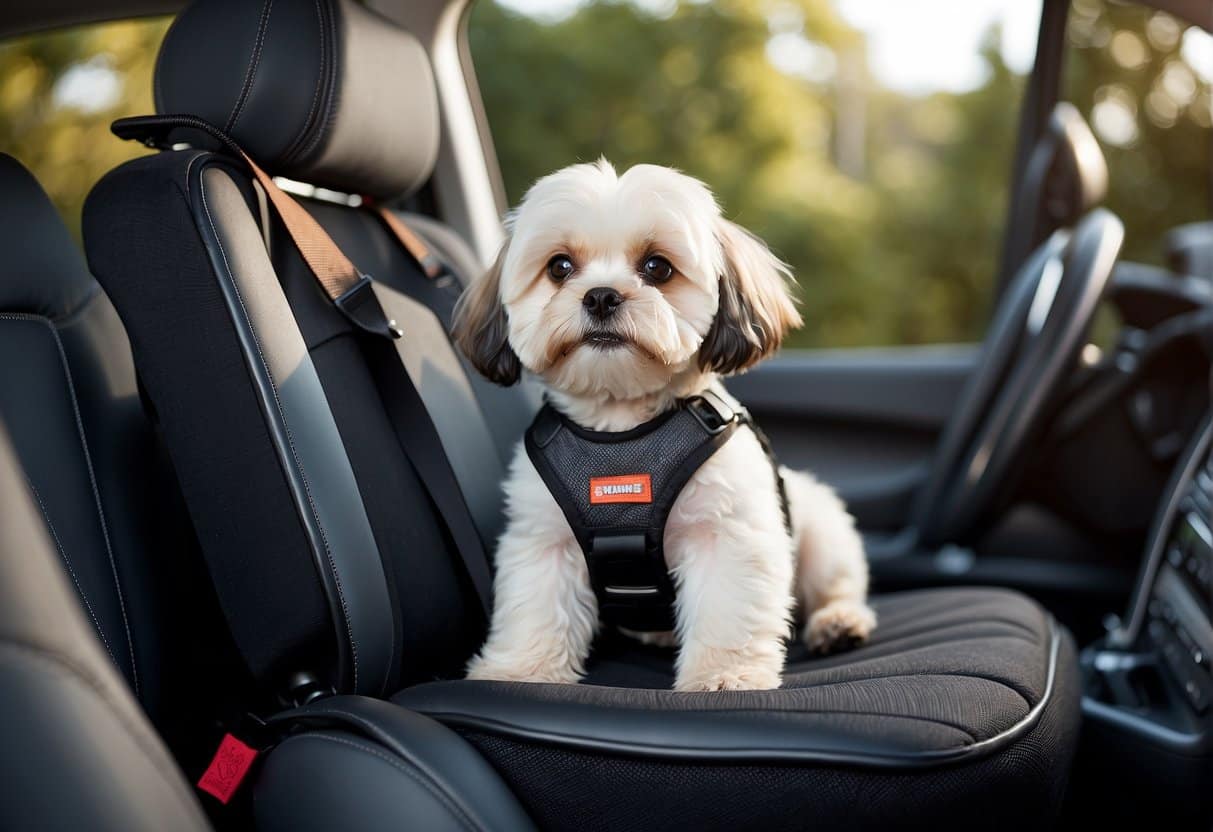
{"x":483,"y":671}
{"x":741,"y":678}
{"x":838,"y":626}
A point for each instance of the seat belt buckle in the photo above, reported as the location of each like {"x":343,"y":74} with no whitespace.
{"x":361,"y":307}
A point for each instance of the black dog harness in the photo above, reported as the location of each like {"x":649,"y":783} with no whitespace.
{"x":616,"y":491}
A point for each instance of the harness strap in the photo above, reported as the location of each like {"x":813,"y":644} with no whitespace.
{"x":352,"y":292}
{"x":616,"y":491}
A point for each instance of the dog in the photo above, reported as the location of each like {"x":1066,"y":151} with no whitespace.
{"x":690,"y":297}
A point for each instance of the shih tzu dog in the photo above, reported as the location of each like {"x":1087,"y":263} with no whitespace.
{"x":628,"y":295}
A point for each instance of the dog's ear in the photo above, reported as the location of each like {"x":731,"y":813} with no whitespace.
{"x":756,"y":308}
{"x":481,"y":330}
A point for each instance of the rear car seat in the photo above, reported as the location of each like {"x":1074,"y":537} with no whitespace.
{"x":338,"y":577}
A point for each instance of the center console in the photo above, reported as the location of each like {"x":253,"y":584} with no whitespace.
{"x":1147,"y":745}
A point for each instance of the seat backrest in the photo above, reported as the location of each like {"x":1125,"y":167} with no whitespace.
{"x":332,"y":565}
{"x":97,"y":475}
{"x":78,"y":751}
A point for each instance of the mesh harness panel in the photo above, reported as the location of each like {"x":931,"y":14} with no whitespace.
{"x":616,"y":490}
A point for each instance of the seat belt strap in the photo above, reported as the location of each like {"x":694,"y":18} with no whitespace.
{"x":429,"y":263}
{"x":352,"y":292}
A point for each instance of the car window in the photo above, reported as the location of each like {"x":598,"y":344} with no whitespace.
{"x":1144,"y":80}
{"x":60,"y":90}
{"x":870,"y":142}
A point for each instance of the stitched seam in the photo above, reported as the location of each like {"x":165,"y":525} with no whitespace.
{"x":915,"y":613}
{"x":414,"y":774}
{"x":947,"y":625}
{"x":948,"y":622}
{"x":882,"y":649}
{"x":88,"y":464}
{"x":330,"y":81}
{"x":254,"y":61}
{"x":349,"y":628}
{"x":68,"y":563}
{"x":134,"y":730}
{"x":292,"y":149}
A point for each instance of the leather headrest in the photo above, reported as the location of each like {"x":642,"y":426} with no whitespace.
{"x":44,"y":272}
{"x":324,"y":91}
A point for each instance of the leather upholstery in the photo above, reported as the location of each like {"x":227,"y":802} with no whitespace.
{"x":255,"y":458}
{"x":306,"y":437}
{"x":44,"y":273}
{"x":91,"y":458}
{"x":77,"y":752}
{"x":323,"y":91}
{"x":390,"y":768}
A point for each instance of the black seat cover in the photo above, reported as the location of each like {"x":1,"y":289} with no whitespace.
{"x":77,"y":751}
{"x":963,"y":709}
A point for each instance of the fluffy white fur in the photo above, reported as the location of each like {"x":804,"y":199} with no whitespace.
{"x":726,"y":306}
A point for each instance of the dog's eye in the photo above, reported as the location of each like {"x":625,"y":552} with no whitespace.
{"x":657,"y":269}
{"x":560,"y":267}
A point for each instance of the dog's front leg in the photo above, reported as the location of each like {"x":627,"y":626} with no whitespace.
{"x":733,"y":609}
{"x":544,"y":610}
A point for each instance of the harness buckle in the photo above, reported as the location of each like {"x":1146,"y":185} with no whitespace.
{"x":632,"y":583}
{"x":712,"y":413}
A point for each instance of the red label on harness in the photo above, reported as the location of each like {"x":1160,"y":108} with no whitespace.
{"x":227,"y":770}
{"x":630,"y":488}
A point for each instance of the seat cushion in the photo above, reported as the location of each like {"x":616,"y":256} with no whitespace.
{"x":972,"y":694}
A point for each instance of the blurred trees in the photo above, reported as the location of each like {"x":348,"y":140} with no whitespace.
{"x":893,"y":242}
{"x":1128,"y":75}
{"x":58,"y":94}
{"x":902,"y":250}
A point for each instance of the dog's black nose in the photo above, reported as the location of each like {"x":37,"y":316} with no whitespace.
{"x":601,"y":302}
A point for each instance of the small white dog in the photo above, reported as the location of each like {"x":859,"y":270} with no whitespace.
{"x":691,"y":297}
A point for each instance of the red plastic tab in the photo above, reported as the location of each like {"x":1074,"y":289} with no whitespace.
{"x":227,"y":770}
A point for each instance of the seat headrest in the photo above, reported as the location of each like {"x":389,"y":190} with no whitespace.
{"x":324,"y":91}
{"x":44,"y":272}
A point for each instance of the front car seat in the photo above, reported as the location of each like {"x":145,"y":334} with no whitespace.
{"x":334,"y":570}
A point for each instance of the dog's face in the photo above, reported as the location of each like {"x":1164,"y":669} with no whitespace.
{"x":614,"y":285}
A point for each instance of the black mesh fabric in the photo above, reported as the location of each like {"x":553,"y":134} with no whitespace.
{"x":575,"y":457}
{"x":1019,"y":787}
{"x":945,"y":669}
{"x":145,"y":250}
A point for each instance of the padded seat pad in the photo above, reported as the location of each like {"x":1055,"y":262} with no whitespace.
{"x":953,"y":678}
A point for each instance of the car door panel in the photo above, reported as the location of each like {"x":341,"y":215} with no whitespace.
{"x":863,"y":420}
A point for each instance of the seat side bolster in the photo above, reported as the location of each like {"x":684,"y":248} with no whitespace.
{"x":369,"y":764}
{"x":308,"y":443}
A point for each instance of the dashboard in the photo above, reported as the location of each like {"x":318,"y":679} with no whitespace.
{"x":1180,"y":605}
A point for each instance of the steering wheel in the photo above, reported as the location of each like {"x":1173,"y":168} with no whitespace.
{"x":1033,"y":342}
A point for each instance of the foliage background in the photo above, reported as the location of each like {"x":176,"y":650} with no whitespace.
{"x":901,"y":250}
{"x":894,"y":241}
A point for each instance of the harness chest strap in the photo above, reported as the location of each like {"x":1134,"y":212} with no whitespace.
{"x":616,"y":491}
